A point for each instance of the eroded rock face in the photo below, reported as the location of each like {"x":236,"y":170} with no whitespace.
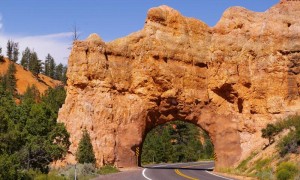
{"x":230,"y":80}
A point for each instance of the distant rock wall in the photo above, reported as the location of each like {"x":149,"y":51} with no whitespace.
{"x":231,"y":80}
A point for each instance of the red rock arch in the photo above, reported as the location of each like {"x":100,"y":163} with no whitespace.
{"x":119,"y":99}
{"x":224,"y":79}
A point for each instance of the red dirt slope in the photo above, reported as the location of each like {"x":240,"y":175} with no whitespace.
{"x":26,"y":78}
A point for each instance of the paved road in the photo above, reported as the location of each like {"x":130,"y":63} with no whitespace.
{"x":178,"y":171}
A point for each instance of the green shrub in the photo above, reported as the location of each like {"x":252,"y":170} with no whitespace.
{"x":49,"y":176}
{"x":289,"y":143}
{"x":292,"y":121}
{"x":269,"y":132}
{"x":286,"y":171}
{"x":265,"y":174}
{"x":243,"y":165}
{"x":87,"y":169}
{"x":83,"y":171}
{"x":262,"y":169}
{"x":108,"y":169}
{"x":262,"y":163}
{"x":284,"y":175}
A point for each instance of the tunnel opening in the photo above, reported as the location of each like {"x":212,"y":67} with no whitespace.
{"x":175,"y":142}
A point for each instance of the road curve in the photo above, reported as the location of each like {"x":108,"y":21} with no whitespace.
{"x":177,"y":171}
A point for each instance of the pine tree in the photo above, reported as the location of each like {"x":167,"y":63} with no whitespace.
{"x":59,"y":72}
{"x":32,"y":61}
{"x":35,"y":65}
{"x":167,"y":144}
{"x":64,"y":77}
{"x":31,"y":95}
{"x":26,"y":58}
{"x":85,"y":153}
{"x":9,"y":50}
{"x":38,"y":68}
{"x":42,"y":67}
{"x":16,"y":53}
{"x":52,"y":66}
{"x":1,"y":56}
{"x":209,"y":148}
{"x":54,"y":98}
{"x":11,"y":78}
{"x":47,"y":65}
{"x":8,"y":80}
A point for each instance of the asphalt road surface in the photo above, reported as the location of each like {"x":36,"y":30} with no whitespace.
{"x":177,"y":171}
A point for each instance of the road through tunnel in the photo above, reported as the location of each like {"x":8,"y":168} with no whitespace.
{"x":173,"y":142}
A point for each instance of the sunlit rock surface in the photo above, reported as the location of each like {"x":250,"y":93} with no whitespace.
{"x":231,"y":80}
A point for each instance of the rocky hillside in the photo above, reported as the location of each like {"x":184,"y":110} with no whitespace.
{"x":26,"y":78}
{"x":279,"y":158}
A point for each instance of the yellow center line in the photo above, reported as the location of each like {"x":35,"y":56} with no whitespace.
{"x":184,"y":175}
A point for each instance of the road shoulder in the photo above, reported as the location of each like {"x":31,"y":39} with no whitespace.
{"x":233,"y":176}
{"x":124,"y":174}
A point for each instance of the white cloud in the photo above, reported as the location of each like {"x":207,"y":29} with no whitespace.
{"x":56,"y":44}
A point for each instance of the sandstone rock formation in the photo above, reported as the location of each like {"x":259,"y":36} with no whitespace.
{"x":230,"y":80}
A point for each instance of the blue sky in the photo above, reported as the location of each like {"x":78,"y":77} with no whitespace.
{"x":45,"y":25}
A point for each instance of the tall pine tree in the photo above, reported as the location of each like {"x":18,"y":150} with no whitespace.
{"x":64,"y":77}
{"x":59,"y":72}
{"x":35,"y":65}
{"x":1,"y":56}
{"x":52,"y":66}
{"x":12,"y":51}
{"x":85,"y":153}
{"x":26,"y":58}
{"x":16,"y":53}
{"x":9,"y":49}
{"x":10,"y":78}
{"x":47,"y":65}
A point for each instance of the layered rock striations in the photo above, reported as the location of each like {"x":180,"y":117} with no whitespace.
{"x":230,"y":80}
